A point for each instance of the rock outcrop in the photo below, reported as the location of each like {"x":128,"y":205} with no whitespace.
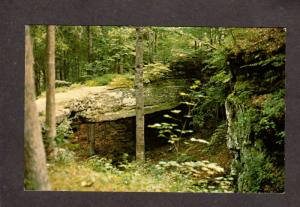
{"x":255,"y":113}
{"x":99,"y":104}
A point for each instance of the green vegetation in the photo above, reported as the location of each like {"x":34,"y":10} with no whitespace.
{"x":176,"y":129}
{"x":154,"y":72}
{"x":246,"y":70}
{"x":101,"y":81}
{"x":226,"y":133}
{"x":64,"y":132}
{"x":98,"y":174}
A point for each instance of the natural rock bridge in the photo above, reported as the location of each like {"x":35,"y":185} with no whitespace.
{"x":108,"y":112}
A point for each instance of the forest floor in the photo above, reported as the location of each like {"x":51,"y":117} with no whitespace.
{"x":162,"y":171}
{"x":203,"y":169}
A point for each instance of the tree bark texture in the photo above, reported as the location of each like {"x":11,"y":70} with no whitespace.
{"x":65,"y":70}
{"x":90,"y":44}
{"x":35,"y":175}
{"x":140,"y":142}
{"x":50,"y":92}
{"x":121,"y":65}
{"x":91,"y":135}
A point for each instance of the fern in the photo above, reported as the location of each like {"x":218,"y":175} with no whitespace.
{"x":219,"y":135}
{"x":276,"y":61}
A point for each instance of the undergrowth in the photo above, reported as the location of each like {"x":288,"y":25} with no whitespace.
{"x":99,"y":174}
{"x":101,"y":80}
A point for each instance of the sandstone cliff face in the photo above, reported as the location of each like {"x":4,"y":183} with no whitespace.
{"x":255,"y":112}
{"x":256,"y":138}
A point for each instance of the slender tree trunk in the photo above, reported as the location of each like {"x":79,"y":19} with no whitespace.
{"x":219,"y":36}
{"x":152,"y":50}
{"x":37,"y":81}
{"x":44,"y":77}
{"x":91,"y":135}
{"x":60,"y":71}
{"x":140,"y":142}
{"x":90,"y":44}
{"x":149,"y":49}
{"x":155,"y":42}
{"x":36,"y":177}
{"x":151,"y":46}
{"x":233,"y":37}
{"x":118,"y":66}
{"x":50,"y":92}
{"x":78,"y":69}
{"x":211,"y":36}
{"x":65,"y":72}
{"x":121,"y":65}
{"x":115,"y":67}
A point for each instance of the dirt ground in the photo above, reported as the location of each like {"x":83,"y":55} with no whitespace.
{"x":63,"y":98}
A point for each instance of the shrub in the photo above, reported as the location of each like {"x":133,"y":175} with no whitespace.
{"x":219,"y":135}
{"x":63,"y":131}
{"x":61,"y":83}
{"x":100,"y":81}
{"x":274,"y":105}
{"x":259,"y":174}
{"x":210,"y":99}
{"x":101,"y":164}
{"x":122,"y":81}
{"x":64,"y":156}
{"x":176,"y":130}
{"x":155,"y":71}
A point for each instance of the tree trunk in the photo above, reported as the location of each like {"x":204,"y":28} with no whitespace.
{"x":211,"y":36}
{"x":78,"y":69}
{"x":37,"y":80}
{"x":91,"y":135}
{"x":115,"y":68}
{"x":60,"y":71}
{"x":149,"y":49}
{"x":155,"y":42}
{"x":35,"y":175}
{"x":90,"y":44}
{"x":65,"y":71}
{"x":140,"y":142}
{"x":121,"y":65}
{"x":44,"y":77}
{"x":50,"y":92}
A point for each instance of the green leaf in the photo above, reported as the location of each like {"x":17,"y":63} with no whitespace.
{"x":168,"y":116}
{"x":183,"y":94}
{"x":199,"y":140}
{"x":157,"y":125}
{"x":176,"y":111}
{"x":188,"y":103}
